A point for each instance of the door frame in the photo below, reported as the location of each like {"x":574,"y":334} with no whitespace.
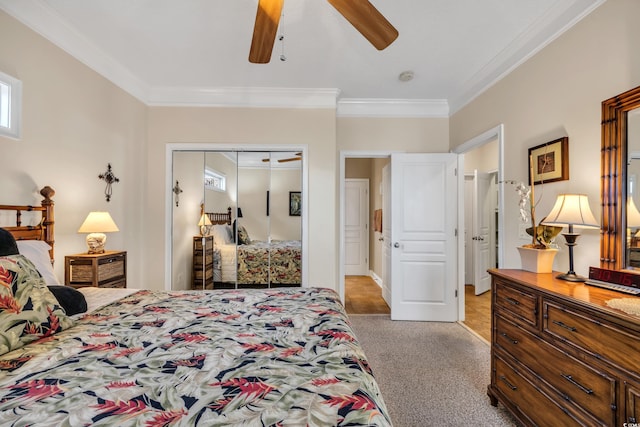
{"x":352,"y":154}
{"x":475,"y":142}
{"x":213,"y":146}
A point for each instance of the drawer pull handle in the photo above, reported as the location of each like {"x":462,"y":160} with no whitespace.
{"x":509,"y":338}
{"x":511,"y":386}
{"x":577,"y":384}
{"x":562,"y":325}
{"x":512,"y":301}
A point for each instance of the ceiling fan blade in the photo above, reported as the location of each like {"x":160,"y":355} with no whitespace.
{"x":290,"y":159}
{"x":264,"y":30}
{"x":368,"y":21}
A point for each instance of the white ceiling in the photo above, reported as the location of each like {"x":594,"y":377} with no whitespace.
{"x":195,"y":52}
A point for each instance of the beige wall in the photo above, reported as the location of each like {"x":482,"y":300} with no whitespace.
{"x":74,"y":122}
{"x":413,"y":135}
{"x":558,"y":92}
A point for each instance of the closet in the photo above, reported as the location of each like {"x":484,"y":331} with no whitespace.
{"x":236,"y":219}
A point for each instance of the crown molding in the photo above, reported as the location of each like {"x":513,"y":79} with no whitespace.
{"x":365,"y":107}
{"x":40,"y":18}
{"x":248,"y":97}
{"x":558,"y":19}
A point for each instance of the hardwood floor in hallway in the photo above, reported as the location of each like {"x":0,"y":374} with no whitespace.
{"x":363,"y":296}
{"x":477,"y":312}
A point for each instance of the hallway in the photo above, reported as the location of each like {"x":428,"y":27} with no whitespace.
{"x":363,"y":296}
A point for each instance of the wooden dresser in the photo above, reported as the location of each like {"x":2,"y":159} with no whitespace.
{"x":560,"y":355}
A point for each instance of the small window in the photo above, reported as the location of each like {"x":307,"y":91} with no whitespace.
{"x":10,"y":102}
{"x":214,"y":180}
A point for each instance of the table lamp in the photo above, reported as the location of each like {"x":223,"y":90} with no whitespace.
{"x":96,"y":224}
{"x":571,"y":210}
{"x":204,"y":224}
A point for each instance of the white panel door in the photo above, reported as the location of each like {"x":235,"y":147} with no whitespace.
{"x":483,"y":214}
{"x":424,"y":198}
{"x":356,"y":227}
{"x":386,"y":234}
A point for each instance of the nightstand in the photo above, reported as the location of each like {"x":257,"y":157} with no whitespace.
{"x":106,"y":270}
{"x":202,"y":262}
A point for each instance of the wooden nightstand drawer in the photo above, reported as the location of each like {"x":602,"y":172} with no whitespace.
{"x":202,"y":276}
{"x":108,"y":270}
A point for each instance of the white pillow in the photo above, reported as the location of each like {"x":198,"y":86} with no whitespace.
{"x":38,"y":253}
{"x":221,"y":234}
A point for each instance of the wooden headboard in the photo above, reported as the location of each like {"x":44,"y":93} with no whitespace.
{"x":220,"y":217}
{"x":42,"y":231}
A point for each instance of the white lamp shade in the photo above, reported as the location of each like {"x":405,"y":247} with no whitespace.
{"x":204,"y":220}
{"x":633,"y":216}
{"x":98,"y":222}
{"x":572,"y":209}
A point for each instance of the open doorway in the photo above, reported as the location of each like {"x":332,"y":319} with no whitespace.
{"x":483,"y":164}
{"x":363,"y":239}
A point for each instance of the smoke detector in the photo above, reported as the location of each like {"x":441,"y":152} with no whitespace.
{"x":405,"y":76}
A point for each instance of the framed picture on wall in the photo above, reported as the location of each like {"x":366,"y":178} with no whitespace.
{"x":549,"y":162}
{"x":295,"y":203}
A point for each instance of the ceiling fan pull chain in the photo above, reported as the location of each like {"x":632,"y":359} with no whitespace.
{"x":281,"y":38}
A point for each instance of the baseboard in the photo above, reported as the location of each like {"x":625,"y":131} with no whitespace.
{"x":375,"y":278}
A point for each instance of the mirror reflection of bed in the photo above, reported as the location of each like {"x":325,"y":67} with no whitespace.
{"x":252,"y":241}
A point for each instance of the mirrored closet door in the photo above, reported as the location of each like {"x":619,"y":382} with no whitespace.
{"x":236,"y":220}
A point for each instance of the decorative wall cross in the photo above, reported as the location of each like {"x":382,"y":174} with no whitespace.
{"x":177,"y":190}
{"x":109,"y":178}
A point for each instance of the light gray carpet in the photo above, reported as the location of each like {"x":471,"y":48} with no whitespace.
{"x":430,"y":374}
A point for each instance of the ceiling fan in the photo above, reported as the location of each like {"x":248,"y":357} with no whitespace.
{"x":296,"y":157}
{"x":360,"y":13}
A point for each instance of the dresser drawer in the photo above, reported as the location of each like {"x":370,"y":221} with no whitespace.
{"x":574,"y":381}
{"x":632,"y":394}
{"x":529,"y":399}
{"x":602,"y":339}
{"x":523,"y":304}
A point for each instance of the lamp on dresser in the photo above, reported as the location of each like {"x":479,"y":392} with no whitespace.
{"x":96,"y":224}
{"x":571,"y":210}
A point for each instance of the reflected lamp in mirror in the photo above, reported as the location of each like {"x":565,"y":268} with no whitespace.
{"x":204,"y":224}
{"x":96,"y":224}
{"x":571,"y":210}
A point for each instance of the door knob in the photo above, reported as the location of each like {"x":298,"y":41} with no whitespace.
{"x":396,"y":245}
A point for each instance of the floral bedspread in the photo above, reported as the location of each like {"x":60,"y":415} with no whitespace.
{"x":278,"y":357}
{"x":280,"y":259}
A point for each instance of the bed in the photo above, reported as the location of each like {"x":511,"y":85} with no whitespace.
{"x":251,"y":262}
{"x":263,"y":357}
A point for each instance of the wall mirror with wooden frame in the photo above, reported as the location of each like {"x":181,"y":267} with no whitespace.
{"x":620,"y":167}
